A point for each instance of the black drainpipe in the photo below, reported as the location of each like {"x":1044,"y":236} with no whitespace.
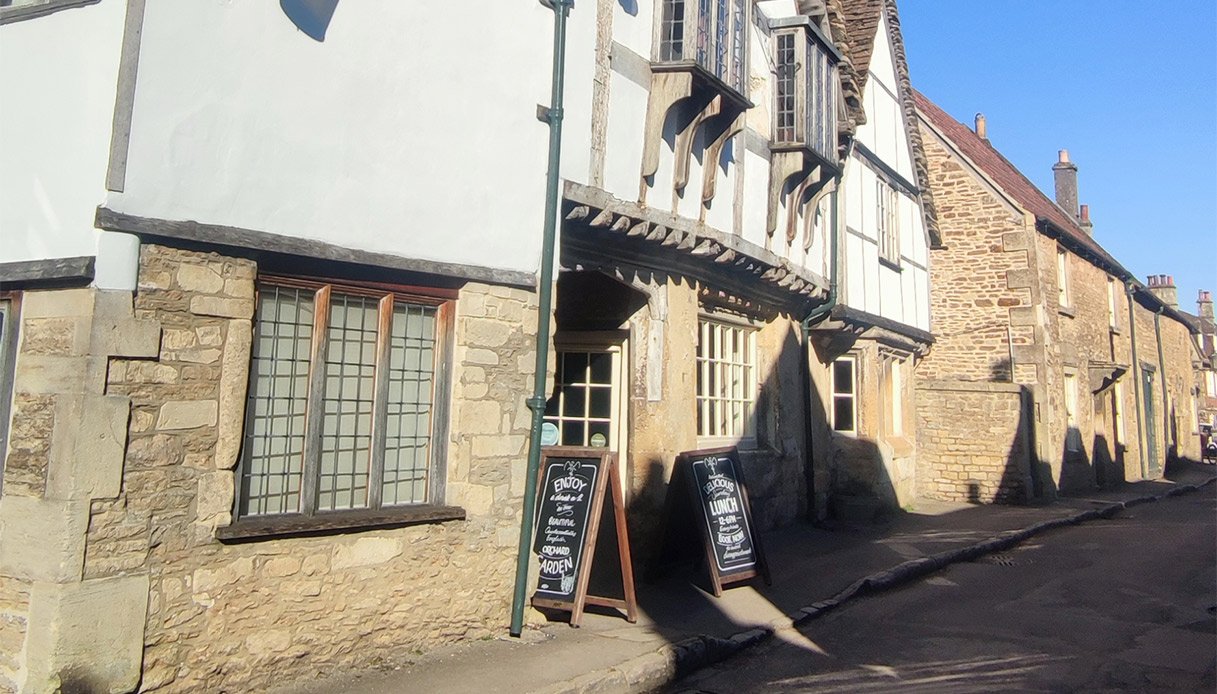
{"x":817,"y":313}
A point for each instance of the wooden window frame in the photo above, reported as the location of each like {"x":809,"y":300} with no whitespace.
{"x":1113,"y":305}
{"x":887,"y":221}
{"x":809,"y":81}
{"x":1064,"y":296}
{"x":308,"y":519}
{"x":708,"y":434}
{"x":852,"y":395}
{"x":9,"y":329}
{"x":38,"y":8}
{"x":726,"y":65}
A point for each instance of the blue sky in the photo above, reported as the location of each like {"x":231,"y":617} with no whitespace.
{"x":1129,"y":88}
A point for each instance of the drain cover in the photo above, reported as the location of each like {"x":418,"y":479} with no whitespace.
{"x":1002,"y":560}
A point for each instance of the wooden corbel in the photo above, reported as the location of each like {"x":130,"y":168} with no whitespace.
{"x":782,"y":166}
{"x":810,"y":216}
{"x":667,"y":88}
{"x":713,"y":152}
{"x":795,"y":204}
{"x":684,"y":141}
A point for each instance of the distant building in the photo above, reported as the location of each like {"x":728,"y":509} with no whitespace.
{"x":1205,"y":362}
{"x":1053,"y":368}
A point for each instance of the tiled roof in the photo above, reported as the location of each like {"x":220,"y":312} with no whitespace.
{"x":862,"y":19}
{"x":1011,"y":180}
{"x":1016,"y":185}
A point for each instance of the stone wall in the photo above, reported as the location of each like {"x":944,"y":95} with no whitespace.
{"x":61,"y":627}
{"x":982,"y":292}
{"x":242,"y":616}
{"x":974,"y":441}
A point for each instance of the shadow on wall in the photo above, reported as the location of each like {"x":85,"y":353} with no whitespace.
{"x":1024,"y":476}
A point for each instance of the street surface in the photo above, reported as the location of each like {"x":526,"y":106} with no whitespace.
{"x":1119,"y":605}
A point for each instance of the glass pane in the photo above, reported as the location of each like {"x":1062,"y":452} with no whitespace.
{"x":346,"y":428}
{"x":574,"y":367}
{"x":843,"y":376}
{"x":601,"y":405}
{"x":408,"y":408}
{"x":573,"y":433}
{"x":843,"y":414}
{"x":672,"y":40}
{"x":273,"y":452}
{"x":598,"y":434}
{"x":602,"y":368}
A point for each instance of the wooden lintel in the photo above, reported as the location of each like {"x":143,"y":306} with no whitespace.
{"x":713,"y":153}
{"x":579,"y":212}
{"x":684,"y":142}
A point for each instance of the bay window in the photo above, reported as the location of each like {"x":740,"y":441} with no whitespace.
{"x":711,"y":34}
{"x":806,"y":92}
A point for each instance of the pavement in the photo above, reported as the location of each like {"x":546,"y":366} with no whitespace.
{"x":682,"y":627}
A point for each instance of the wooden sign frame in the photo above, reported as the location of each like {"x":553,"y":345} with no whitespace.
{"x":607,"y":479}
{"x":684,"y":476}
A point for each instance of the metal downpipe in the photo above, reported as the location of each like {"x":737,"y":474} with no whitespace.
{"x":815,"y":315}
{"x":553,"y":115}
{"x":1136,"y":380}
{"x":1166,"y":426}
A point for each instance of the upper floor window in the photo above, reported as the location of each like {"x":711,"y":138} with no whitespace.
{"x":805,"y":112}
{"x":893,"y":385}
{"x":886,"y":217}
{"x":709,"y":33}
{"x":726,"y":381}
{"x":342,"y":391}
{"x":1113,"y":306}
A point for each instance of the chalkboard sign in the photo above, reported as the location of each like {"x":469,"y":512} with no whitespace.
{"x":570,"y":493}
{"x":708,"y":490}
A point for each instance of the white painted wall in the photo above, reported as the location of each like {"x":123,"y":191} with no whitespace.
{"x":900,"y":295}
{"x":57,"y":90}
{"x":408,"y":131}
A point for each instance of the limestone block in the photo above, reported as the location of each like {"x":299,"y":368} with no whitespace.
{"x":62,"y":336}
{"x":187,"y":414}
{"x":234,"y":378}
{"x":199,"y":278}
{"x":57,"y":303}
{"x":478,"y":417}
{"x":222,"y":307}
{"x":45,"y":374}
{"x":1024,"y":315}
{"x":279,"y":567}
{"x":173,"y":340}
{"x":87,"y":636}
{"x":366,"y":551}
{"x":116,"y":332}
{"x":43,"y":539}
{"x":1020,"y":279}
{"x":483,"y":357}
{"x":208,"y":580}
{"x":209,"y":335}
{"x":215,"y":494}
{"x":88,"y":446}
{"x":497,"y":446}
{"x":478,"y":500}
{"x":268,"y":641}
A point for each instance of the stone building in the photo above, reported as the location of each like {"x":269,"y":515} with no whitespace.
{"x":269,"y":319}
{"x":1205,"y":360}
{"x":1053,"y":368}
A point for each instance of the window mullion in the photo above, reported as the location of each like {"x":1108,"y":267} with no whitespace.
{"x":315,"y":410}
{"x":380,"y":404}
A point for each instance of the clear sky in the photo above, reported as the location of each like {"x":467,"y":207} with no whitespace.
{"x":1129,"y":88}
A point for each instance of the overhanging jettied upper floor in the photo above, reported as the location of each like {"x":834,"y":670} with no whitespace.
{"x":603,"y":230}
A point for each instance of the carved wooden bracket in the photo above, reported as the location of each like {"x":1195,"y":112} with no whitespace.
{"x":713,"y":153}
{"x":809,"y":216}
{"x":795,"y":203}
{"x":666,"y":89}
{"x":684,"y":141}
{"x":782,"y":166}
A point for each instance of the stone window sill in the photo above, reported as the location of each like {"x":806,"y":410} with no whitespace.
{"x":270,"y":527}
{"x":901,"y":446}
{"x":891,"y":264}
{"x":1067,"y":311}
{"x":1116,"y":331}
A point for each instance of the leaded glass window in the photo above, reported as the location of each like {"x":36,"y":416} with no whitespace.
{"x":340,"y":401}
{"x":805,"y":112}
{"x":720,"y":32}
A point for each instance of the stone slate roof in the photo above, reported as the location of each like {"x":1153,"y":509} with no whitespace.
{"x":860,"y":20}
{"x":1016,"y":185}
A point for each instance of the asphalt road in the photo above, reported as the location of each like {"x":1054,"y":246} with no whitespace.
{"x":1119,"y":605}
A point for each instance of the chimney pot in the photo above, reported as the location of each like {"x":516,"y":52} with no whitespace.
{"x":981,"y":131}
{"x":1085,"y":213}
{"x":1163,"y":287}
{"x":1062,"y":156}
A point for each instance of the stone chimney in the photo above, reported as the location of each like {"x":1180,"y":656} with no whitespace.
{"x":1204,"y":305}
{"x":1066,"y":174}
{"x":1208,"y":338}
{"x":1085,"y":221}
{"x":1163,"y":287}
{"x":981,"y":131}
